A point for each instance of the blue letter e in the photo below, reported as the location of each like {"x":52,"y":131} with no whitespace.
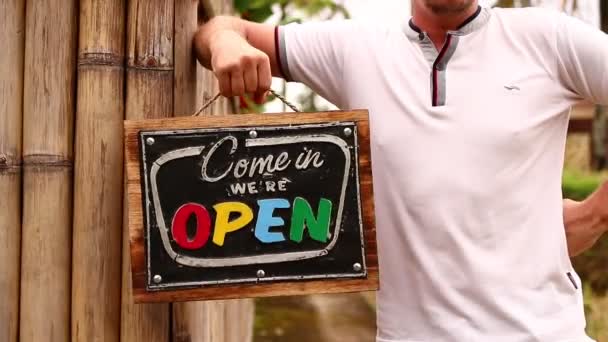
{"x":266,"y":220}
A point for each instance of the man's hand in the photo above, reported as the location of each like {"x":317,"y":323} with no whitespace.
{"x":239,"y":67}
{"x":586,"y":221}
{"x":241,"y":54}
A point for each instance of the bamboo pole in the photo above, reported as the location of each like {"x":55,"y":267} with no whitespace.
{"x":98,"y":166}
{"x":192,"y":321}
{"x":149,"y":95}
{"x":229,"y":321}
{"x":238,"y":322}
{"x":48,"y":110}
{"x":11,"y":110}
{"x":207,"y":85}
{"x":188,"y":319}
{"x":185,"y":85}
{"x":239,"y":312}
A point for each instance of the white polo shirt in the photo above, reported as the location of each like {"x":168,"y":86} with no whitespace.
{"x":467,"y":149}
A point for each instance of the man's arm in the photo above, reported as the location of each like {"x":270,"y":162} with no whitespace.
{"x":586,"y":221}
{"x":240,"y":53}
{"x":582,"y":54}
{"x":243,"y":55}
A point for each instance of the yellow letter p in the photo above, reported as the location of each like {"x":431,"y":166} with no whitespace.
{"x":223,"y":225}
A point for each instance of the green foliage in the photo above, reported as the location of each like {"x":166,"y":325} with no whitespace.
{"x":285,"y":319}
{"x":529,"y":3}
{"x":578,"y":186}
{"x":591,"y":266}
{"x":596,"y":311}
{"x":261,"y":10}
{"x":289,"y":11}
{"x":513,"y":3}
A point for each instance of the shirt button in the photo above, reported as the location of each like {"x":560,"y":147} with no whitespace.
{"x":440,"y":66}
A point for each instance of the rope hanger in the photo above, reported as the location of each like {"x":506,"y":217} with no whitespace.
{"x":217,"y":96}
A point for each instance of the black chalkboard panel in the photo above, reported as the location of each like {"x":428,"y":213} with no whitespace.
{"x":251,"y":205}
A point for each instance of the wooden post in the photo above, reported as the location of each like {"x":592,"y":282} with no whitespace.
{"x":194,"y":321}
{"x":185,"y":85}
{"x":48,"y":110}
{"x":96,"y":261}
{"x":12,"y":32}
{"x":149,"y":94}
{"x":241,"y":311}
{"x":230,"y":321}
{"x":188,"y":319}
{"x":207,"y":85}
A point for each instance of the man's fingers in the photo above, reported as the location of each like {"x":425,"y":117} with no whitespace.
{"x":238,"y":84}
{"x":251,"y":79}
{"x":260,"y":97}
{"x":264,"y":77}
{"x":264,"y":82}
{"x":225,"y":84}
{"x":243,"y":72}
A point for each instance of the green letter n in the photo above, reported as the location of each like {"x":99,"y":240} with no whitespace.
{"x":302,"y":215}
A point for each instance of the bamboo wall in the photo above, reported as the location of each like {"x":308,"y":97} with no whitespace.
{"x":12,"y":34}
{"x":71,"y":73}
{"x":98,"y":145}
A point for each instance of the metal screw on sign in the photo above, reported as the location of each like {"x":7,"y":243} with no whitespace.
{"x":157,"y":279}
{"x":357,"y":267}
{"x":150,"y":141}
{"x":261,"y":274}
{"x":348,"y":131}
{"x":253,"y":134}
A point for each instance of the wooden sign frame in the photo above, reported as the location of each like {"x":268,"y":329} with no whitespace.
{"x":141,"y":292}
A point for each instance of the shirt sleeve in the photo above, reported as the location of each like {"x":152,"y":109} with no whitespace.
{"x":583,"y":59}
{"x":314,"y":54}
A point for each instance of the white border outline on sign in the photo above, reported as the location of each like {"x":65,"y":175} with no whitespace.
{"x":260,"y":259}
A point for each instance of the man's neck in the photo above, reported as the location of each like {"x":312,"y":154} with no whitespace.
{"x":437,"y":25}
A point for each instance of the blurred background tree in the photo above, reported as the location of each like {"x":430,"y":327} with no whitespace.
{"x":283,"y":12}
{"x":566,"y":5}
{"x":289,"y":10}
{"x":513,"y":3}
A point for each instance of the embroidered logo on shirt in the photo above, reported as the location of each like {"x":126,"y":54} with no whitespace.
{"x":512,"y":87}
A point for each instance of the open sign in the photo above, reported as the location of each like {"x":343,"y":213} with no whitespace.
{"x":252,"y":204}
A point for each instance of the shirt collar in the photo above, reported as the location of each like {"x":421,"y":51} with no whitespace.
{"x":476,"y":21}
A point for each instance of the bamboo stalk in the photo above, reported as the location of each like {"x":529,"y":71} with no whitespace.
{"x":239,"y":311}
{"x":191,"y":321}
{"x":10,"y":225}
{"x":149,"y":95}
{"x":185,"y":85}
{"x":198,"y":321}
{"x":11,"y":110}
{"x":98,"y":173}
{"x":188,"y":319}
{"x":48,"y":110}
{"x":207,"y":85}
{"x":238,"y":314}
{"x":202,"y":321}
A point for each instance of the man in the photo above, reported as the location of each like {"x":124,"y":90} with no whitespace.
{"x":469,"y":112}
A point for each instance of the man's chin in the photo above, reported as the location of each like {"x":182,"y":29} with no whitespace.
{"x":445,"y":7}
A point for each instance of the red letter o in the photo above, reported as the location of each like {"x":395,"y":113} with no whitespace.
{"x":179,"y":226}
